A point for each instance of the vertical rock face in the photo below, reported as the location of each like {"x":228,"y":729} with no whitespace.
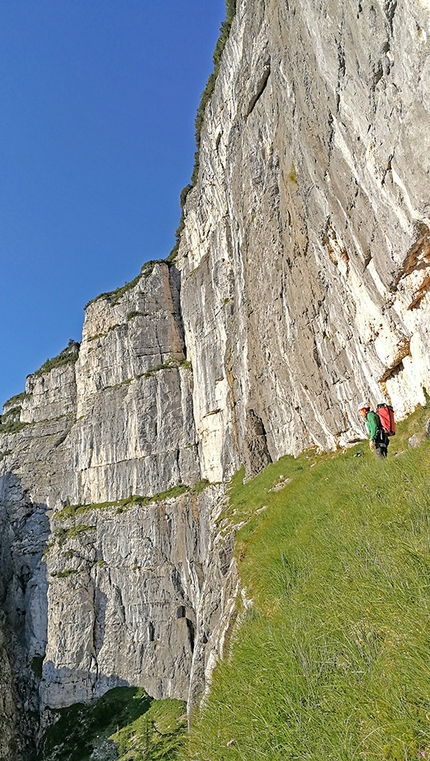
{"x":302,"y":286}
{"x":137,"y":595}
{"x":8,"y":712}
{"x":305,"y":257}
{"x":104,"y":589}
{"x":24,"y":529}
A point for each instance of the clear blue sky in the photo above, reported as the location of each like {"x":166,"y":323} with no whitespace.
{"x":97,"y":107}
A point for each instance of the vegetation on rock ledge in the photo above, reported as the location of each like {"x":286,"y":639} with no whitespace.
{"x":121,"y":504}
{"x":200,"y":115}
{"x":114,"y":296}
{"x":68,"y":356}
{"x":124,"y":724}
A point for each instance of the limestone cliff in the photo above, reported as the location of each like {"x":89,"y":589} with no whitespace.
{"x":301,"y":286}
{"x":305,"y":258}
{"x":113,"y":571}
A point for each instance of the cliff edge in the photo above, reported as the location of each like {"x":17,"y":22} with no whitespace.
{"x":301,"y":286}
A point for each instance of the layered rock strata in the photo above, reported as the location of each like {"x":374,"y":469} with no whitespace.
{"x":112,"y":573}
{"x":305,"y":256}
{"x":138,"y":594}
{"x":302,"y":286}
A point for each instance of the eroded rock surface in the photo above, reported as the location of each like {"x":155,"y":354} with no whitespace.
{"x":302,"y":286}
{"x":137,"y":595}
{"x":305,"y":255}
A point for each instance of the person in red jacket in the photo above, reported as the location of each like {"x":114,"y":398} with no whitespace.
{"x":378,"y":439}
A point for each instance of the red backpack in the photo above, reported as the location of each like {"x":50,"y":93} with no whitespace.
{"x":385,"y":414}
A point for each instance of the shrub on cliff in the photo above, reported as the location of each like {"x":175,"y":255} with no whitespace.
{"x":68,"y":356}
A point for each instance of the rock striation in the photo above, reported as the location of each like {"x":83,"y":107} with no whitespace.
{"x":301,"y":286}
{"x":113,"y":570}
{"x":305,"y":256}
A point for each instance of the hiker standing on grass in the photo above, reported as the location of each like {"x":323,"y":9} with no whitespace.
{"x":378,"y":438}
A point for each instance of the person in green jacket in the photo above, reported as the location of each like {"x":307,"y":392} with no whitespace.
{"x":378,"y":439}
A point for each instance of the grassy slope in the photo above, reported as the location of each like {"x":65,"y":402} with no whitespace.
{"x":124,"y":724}
{"x":332,"y":660}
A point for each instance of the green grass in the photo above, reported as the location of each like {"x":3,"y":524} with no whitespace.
{"x":83,"y":729}
{"x":68,"y":356}
{"x":332,"y":660}
{"x":121,"y":504}
{"x":157,"y":735}
{"x":125,"y":724}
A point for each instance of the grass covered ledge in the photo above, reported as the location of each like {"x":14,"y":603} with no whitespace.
{"x":332,"y":659}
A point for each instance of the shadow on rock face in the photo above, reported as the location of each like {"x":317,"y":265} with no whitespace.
{"x":24,"y":530}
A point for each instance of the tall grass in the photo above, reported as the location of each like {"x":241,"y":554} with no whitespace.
{"x":124,"y":724}
{"x":332,"y":659}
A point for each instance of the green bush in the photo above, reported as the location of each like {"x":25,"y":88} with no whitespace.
{"x":68,"y":356}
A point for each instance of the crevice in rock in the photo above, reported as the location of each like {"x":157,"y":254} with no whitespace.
{"x":417,"y":258}
{"x":260,"y":88}
{"x":390,"y":7}
{"x":257,"y":454}
{"x":403,"y":350}
{"x":388,"y":169}
{"x":191,"y":633}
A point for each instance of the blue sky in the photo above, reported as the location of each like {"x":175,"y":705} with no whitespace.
{"x":97,"y":107}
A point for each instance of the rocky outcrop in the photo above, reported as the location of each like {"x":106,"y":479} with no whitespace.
{"x":24,"y":529}
{"x":305,"y":253}
{"x":8,"y":707}
{"x":113,"y":572}
{"x":139,"y":594}
{"x":301,"y":286}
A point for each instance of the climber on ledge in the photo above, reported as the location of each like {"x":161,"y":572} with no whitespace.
{"x":378,"y":438}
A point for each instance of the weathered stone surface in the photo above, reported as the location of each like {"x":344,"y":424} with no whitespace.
{"x":305,"y":255}
{"x":24,"y":529}
{"x":302,"y":285}
{"x":134,"y":598}
{"x":8,"y":708}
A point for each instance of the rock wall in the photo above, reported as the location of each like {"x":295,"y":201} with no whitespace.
{"x":8,"y":708}
{"x":24,"y":529}
{"x":302,"y":286}
{"x":138,"y":595}
{"x":305,"y":257}
{"x":112,"y":569}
